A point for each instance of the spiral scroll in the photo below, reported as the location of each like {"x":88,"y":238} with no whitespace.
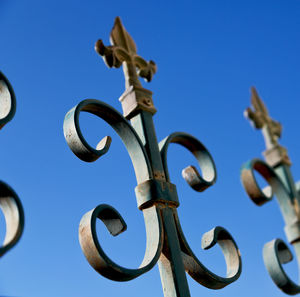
{"x":198,"y":271}
{"x":85,"y":152}
{"x":190,"y":173}
{"x":115,"y":225}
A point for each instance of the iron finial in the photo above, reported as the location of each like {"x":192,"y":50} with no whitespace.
{"x":271,"y":130}
{"x":123,"y":52}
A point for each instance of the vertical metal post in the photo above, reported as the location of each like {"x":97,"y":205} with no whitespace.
{"x":170,"y":263}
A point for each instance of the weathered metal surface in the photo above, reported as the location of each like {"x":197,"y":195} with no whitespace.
{"x":276,"y":171}
{"x":275,"y":153}
{"x":156,"y":196}
{"x":123,"y":52}
{"x":10,"y":203}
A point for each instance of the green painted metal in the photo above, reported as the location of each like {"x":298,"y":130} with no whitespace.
{"x":10,"y":203}
{"x":156,"y":196}
{"x":276,"y":171}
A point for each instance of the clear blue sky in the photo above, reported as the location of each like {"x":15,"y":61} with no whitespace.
{"x":208,"y":55}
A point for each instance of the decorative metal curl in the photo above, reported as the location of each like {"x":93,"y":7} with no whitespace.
{"x":116,"y":225}
{"x":7,"y":101}
{"x":198,"y":271}
{"x":85,"y":152}
{"x":276,"y":172}
{"x":190,"y":173}
{"x":12,"y":209}
{"x":10,"y":203}
{"x":276,"y":253}
{"x":156,"y":195}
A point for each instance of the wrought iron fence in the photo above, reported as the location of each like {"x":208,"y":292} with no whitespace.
{"x":155,"y":193}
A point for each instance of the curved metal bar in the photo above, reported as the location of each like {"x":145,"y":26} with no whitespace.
{"x":198,"y":271}
{"x":85,"y":152}
{"x":260,"y":196}
{"x":13,"y":212}
{"x":276,"y":253}
{"x":7,"y":101}
{"x":190,"y":174}
{"x":116,"y":225}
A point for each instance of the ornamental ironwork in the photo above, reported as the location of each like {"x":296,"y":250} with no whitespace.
{"x":276,"y":171}
{"x":10,"y":203}
{"x":156,"y":195}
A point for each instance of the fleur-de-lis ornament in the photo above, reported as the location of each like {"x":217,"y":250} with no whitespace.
{"x":10,"y":203}
{"x":156,"y":195}
{"x":123,"y":52}
{"x":276,"y":171}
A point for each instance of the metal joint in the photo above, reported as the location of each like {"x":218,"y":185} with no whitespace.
{"x":292,"y":232}
{"x":134,"y":100}
{"x":156,"y":192}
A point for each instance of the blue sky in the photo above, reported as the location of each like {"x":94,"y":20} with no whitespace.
{"x":209,"y":54}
